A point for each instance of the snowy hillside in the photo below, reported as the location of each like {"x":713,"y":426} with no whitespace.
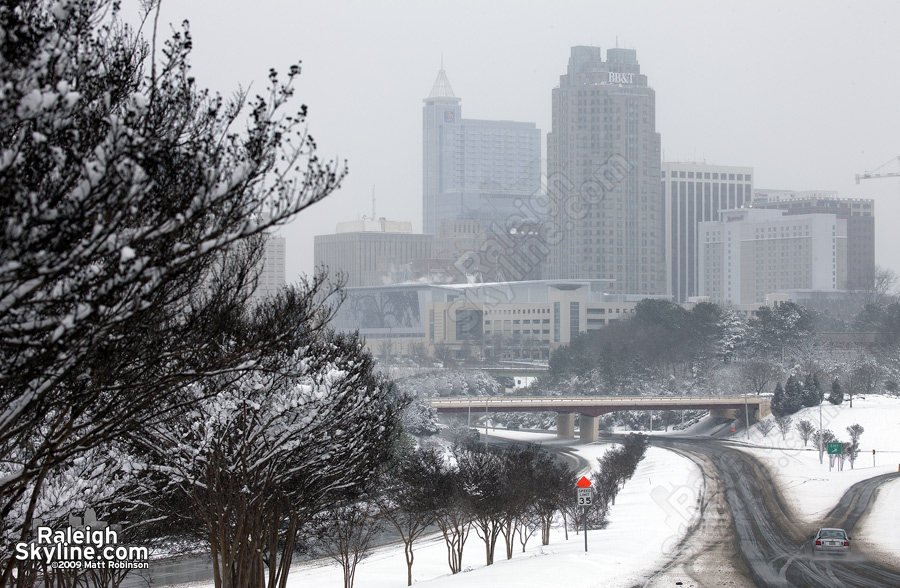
{"x":812,"y":490}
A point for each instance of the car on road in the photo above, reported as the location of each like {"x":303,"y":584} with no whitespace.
{"x":829,"y":540}
{"x":474,"y":433}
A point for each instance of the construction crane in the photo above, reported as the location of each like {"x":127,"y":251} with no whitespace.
{"x":871,"y":175}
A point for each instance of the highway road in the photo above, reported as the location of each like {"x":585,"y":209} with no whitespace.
{"x":758,"y":535}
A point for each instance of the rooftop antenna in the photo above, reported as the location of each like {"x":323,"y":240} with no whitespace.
{"x":373,"y":205}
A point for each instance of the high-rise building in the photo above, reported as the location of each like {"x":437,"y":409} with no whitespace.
{"x":474,"y":169}
{"x":749,"y":253}
{"x":603,"y":166}
{"x":859,"y":214}
{"x":694,"y":193}
{"x":371,"y":252}
{"x":271,"y":272}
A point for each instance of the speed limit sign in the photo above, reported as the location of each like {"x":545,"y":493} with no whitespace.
{"x":584,"y":496}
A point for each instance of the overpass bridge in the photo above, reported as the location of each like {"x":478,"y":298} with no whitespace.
{"x":590,"y":408}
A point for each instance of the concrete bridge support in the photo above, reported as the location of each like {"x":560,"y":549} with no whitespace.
{"x":590,"y":427}
{"x":565,"y":425}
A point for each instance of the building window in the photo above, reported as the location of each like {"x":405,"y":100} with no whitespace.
{"x":573,"y":320}
{"x":556,"y":322}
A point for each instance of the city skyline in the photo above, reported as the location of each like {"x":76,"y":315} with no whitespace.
{"x":801,"y":92}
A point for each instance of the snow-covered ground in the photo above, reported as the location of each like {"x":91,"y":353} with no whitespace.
{"x":650,"y":516}
{"x":654,"y":510}
{"x":809,"y":486}
{"x":812,"y":490}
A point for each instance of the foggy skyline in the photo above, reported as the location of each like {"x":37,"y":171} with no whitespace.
{"x":803,"y":92}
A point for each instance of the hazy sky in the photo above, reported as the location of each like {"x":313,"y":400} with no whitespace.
{"x":807,"y":93}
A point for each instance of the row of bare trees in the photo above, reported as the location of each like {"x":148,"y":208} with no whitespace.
{"x":616,"y":466}
{"x":509,"y":493}
{"x":821,"y":439}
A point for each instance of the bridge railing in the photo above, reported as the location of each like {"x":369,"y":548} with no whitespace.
{"x":535,"y":400}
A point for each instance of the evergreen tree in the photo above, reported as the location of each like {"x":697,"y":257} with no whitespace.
{"x":779,"y":402}
{"x":812,"y":391}
{"x":837,"y":393}
{"x":793,"y":392}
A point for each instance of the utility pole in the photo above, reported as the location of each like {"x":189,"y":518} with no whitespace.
{"x":485,"y":423}
{"x":747,"y":417}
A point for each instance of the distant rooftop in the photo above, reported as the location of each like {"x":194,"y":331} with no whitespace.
{"x":381,"y":225}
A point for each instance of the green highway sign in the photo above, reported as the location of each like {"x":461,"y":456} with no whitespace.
{"x":834,"y":448}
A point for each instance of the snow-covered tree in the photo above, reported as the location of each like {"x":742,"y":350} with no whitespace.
{"x":784,"y":425}
{"x":780,"y":404}
{"x":811,"y":394}
{"x":821,"y":438}
{"x":450,"y":383}
{"x":485,"y":481}
{"x":133,"y":211}
{"x":346,"y":533}
{"x":836,"y":396}
{"x":106,"y":482}
{"x":734,"y":334}
{"x":452,"y":516}
{"x":855,"y":431}
{"x":759,"y":374}
{"x":257,"y":457}
{"x":806,"y":430}
{"x":420,"y":418}
{"x":412,"y":494}
{"x":852,"y":450}
{"x":765,"y":427}
{"x":774,"y":331}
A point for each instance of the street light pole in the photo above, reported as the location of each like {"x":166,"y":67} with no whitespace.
{"x":821,"y":437}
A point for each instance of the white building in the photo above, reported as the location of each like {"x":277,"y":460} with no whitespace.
{"x":749,"y":253}
{"x":503,"y":320}
{"x":694,"y":193}
{"x":271,"y":276}
{"x":859,"y":214}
